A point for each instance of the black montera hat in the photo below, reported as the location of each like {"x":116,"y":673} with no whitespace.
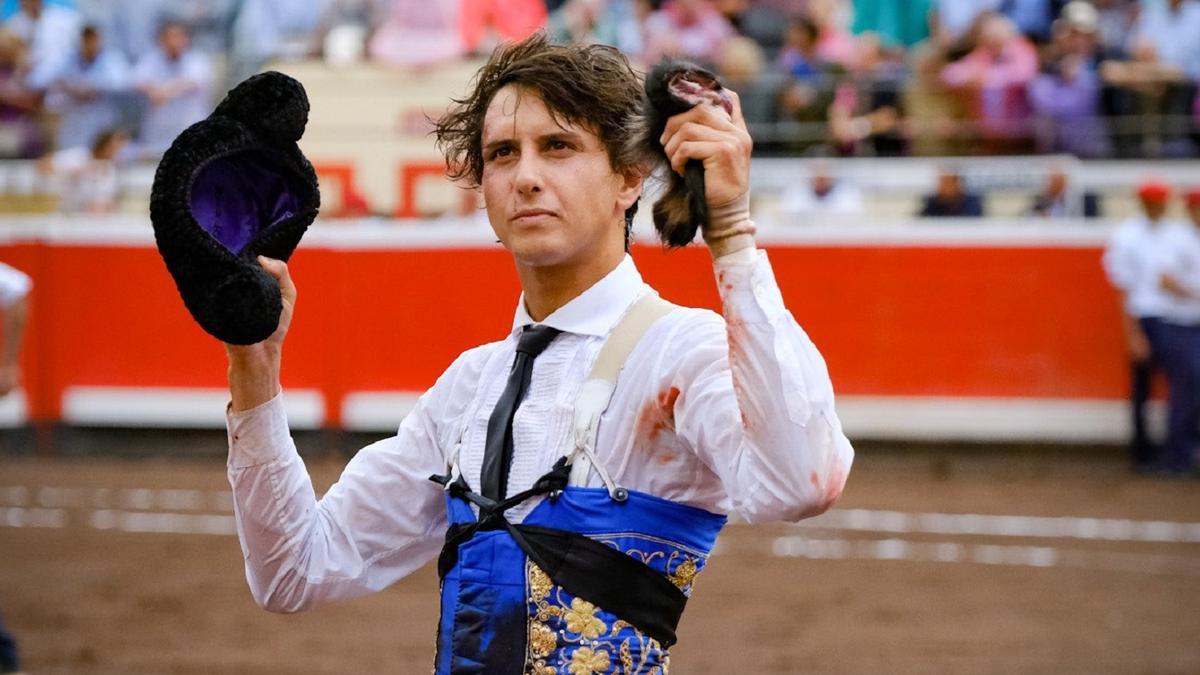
{"x":230,"y":188}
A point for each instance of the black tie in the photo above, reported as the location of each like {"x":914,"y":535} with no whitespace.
{"x":498,"y":449}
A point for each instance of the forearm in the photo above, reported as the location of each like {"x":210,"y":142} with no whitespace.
{"x":792,"y":459}
{"x":253,"y":375}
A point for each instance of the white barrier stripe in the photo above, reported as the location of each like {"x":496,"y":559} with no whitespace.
{"x":14,"y":495}
{"x":169,"y":523}
{"x":16,"y":516}
{"x":1107,"y":529}
{"x":137,"y":499}
{"x":859,"y":520}
{"x":982,"y":554}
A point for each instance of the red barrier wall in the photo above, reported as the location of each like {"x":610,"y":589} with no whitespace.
{"x":913,"y":320}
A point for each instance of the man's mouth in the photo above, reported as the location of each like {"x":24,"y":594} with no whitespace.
{"x":533,"y":214}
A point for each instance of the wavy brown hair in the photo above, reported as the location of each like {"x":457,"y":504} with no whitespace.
{"x":592,"y":86}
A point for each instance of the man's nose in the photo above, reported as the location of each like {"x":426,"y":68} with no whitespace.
{"x":529,"y":173}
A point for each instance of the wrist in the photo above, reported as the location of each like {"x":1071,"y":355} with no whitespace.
{"x":729,"y":226}
{"x":253,"y":376}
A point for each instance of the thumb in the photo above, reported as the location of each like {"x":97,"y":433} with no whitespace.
{"x":279,"y":270}
{"x":276,"y":268}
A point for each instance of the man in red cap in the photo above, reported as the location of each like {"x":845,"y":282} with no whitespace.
{"x":1179,"y":338}
{"x":1129,"y":263}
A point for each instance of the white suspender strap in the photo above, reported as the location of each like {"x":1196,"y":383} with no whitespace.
{"x":596,"y":392}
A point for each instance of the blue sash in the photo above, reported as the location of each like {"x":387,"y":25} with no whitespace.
{"x":501,"y":613}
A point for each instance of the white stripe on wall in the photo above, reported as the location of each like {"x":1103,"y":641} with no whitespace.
{"x":175,"y":407}
{"x":863,"y":417}
{"x":376,"y":410}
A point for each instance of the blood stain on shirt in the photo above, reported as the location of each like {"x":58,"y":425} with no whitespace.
{"x":656,"y":416}
{"x":737,"y":356}
{"x":835,"y":483}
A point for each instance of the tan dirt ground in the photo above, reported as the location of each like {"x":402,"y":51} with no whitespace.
{"x":90,"y":601}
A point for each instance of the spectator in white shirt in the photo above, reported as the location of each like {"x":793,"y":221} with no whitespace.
{"x":50,"y":32}
{"x":85,"y":93}
{"x":822,"y":194}
{"x":1173,"y":27}
{"x":176,"y":83}
{"x":88,"y":178}
{"x":1130,"y":262}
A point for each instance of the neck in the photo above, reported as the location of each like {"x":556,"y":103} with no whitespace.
{"x":548,"y":288}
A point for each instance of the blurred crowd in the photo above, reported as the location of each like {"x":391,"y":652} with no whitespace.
{"x":85,"y":84}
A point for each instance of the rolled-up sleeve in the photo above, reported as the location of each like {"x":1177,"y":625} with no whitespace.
{"x":758,"y":404}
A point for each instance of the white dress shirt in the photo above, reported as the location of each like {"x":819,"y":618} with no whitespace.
{"x":1130,"y":260}
{"x":1179,"y":256}
{"x":731,"y":414}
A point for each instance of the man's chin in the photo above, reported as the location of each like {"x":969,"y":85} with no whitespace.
{"x":540,"y":258}
{"x":541,"y":252}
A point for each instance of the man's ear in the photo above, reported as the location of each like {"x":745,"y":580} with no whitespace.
{"x":632,"y":179}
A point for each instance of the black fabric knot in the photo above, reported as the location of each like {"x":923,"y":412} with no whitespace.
{"x":535,"y":339}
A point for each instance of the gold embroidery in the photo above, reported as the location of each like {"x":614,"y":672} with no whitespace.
{"x":539,"y":583}
{"x":643,"y":556}
{"x":582,"y":619}
{"x":595,"y":643}
{"x":626,"y":657}
{"x":542,"y":640}
{"x":684,"y":575}
{"x":586,"y":661}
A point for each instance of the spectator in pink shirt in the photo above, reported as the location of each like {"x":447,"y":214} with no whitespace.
{"x":834,"y":42}
{"x":993,"y":78}
{"x":691,"y":29}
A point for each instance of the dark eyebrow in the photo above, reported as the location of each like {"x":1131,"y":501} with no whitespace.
{"x":487,"y":149}
{"x":568,"y":136}
{"x":573,"y":137}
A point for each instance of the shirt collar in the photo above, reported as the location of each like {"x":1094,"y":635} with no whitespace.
{"x":596,"y":310}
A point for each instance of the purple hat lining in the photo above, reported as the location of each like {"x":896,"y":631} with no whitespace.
{"x":235,"y":197}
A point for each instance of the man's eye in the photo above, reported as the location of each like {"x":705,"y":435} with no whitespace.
{"x":558,"y":145}
{"x":500,"y":152}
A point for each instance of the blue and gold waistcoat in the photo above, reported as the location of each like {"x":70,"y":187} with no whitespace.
{"x":502,"y":614}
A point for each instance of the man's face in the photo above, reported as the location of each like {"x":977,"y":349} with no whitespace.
{"x":551,"y":194}
{"x":174,"y":41}
{"x":949,"y":186}
{"x":1154,"y":208}
{"x":89,"y":46}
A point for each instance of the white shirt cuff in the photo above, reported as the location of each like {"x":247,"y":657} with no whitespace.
{"x":749,"y":293}
{"x":258,"y":435}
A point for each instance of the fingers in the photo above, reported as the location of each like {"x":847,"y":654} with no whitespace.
{"x":706,"y":115}
{"x":689,"y":132}
{"x":698,"y":150}
{"x":279,"y":270}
